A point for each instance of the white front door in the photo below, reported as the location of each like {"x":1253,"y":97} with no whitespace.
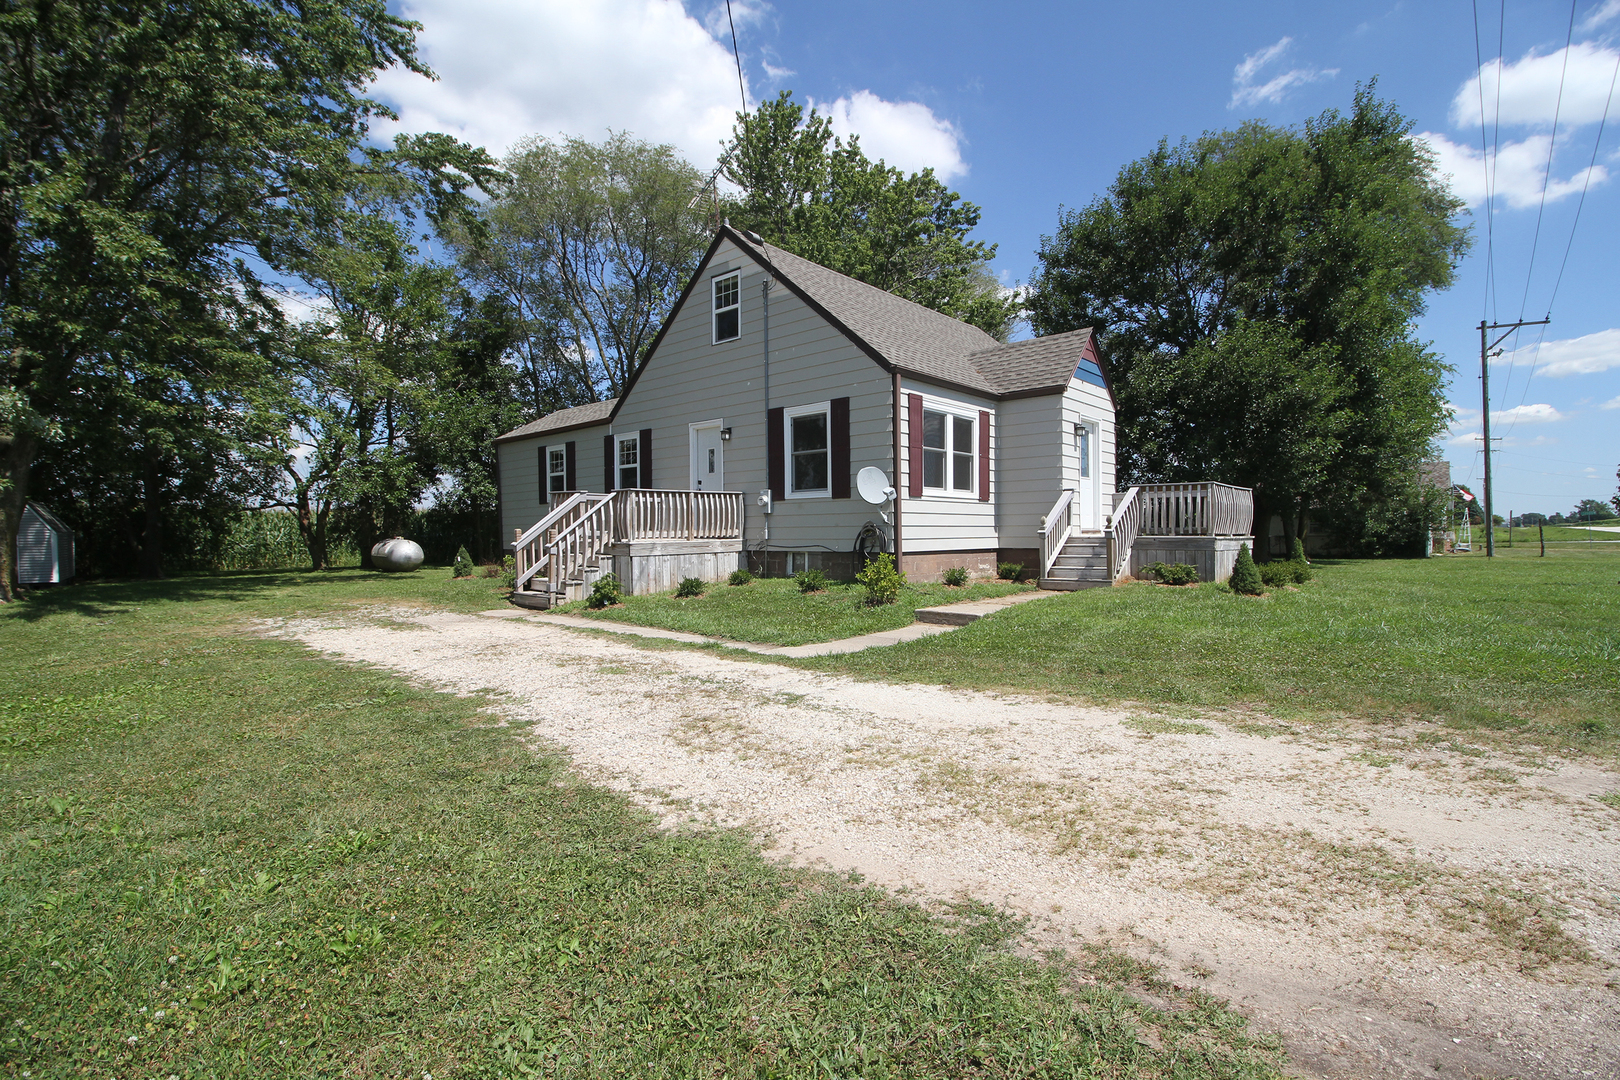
{"x":1088,"y":515}
{"x":708,"y":457}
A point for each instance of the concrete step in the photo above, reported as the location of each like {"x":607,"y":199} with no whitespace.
{"x":1078,"y":573}
{"x":1073,"y":584}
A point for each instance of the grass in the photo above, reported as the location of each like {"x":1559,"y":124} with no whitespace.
{"x":1523,"y":646}
{"x":773,"y":610}
{"x":226,"y":855}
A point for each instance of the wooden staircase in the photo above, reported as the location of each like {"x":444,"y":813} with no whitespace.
{"x":1082,"y":563}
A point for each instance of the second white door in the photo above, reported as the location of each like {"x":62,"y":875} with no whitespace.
{"x":708,"y":458}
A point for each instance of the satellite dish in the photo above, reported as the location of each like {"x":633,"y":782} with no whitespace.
{"x":873,"y":485}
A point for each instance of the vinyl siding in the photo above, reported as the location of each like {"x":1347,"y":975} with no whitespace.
{"x":689,"y":380}
{"x":948,"y":522}
{"x":1039,"y":461}
{"x":36,"y":550}
{"x":519,"y":460}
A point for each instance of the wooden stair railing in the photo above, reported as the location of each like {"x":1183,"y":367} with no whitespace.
{"x":530,"y":554}
{"x":1056,"y":528}
{"x":1124,"y":526}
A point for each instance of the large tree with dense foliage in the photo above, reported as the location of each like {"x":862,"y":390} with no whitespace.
{"x":819,"y":196}
{"x":590,"y":245}
{"x":1256,"y":292}
{"x":146,"y":149}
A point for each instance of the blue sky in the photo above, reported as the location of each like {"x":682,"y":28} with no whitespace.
{"x":1028,"y":107}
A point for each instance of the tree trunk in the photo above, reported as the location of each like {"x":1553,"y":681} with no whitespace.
{"x":152,"y":521}
{"x":19,"y":459}
{"x":365,"y":536}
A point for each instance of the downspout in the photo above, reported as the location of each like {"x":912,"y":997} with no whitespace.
{"x":765,"y":312}
{"x":899,"y":494}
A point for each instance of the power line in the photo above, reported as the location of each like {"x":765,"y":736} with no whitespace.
{"x":737,"y":55}
{"x":1486,"y":162}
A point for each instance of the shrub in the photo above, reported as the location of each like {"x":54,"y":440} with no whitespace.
{"x":1296,"y":551}
{"x":1009,"y":571}
{"x":740,"y":577}
{"x":690,"y":586}
{"x":811,"y":580}
{"x":1171,"y":573}
{"x":606,"y":592}
{"x":464,"y":564}
{"x":956,"y":576}
{"x":881,"y":580}
{"x":1281,"y":572}
{"x":1245,"y":577}
{"x":508,"y":572}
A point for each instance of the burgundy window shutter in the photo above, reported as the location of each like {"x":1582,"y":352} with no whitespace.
{"x":569,"y":472}
{"x":646,"y":457}
{"x":984,"y":456}
{"x":838,"y":439}
{"x":545,"y":478}
{"x":607,"y":462}
{"x":776,"y":452}
{"x":914,"y":467}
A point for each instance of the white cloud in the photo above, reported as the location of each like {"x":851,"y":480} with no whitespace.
{"x":1527,"y":414}
{"x":1244,"y":90}
{"x":1600,"y":15}
{"x":906,"y":134}
{"x":1529,"y":89}
{"x":777,"y":74}
{"x":1520,"y":169}
{"x":1613,"y":403}
{"x":513,"y":68}
{"x":1586,"y":355}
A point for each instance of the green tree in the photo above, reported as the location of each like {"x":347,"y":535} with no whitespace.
{"x":590,"y":244}
{"x":147,"y":154}
{"x":1614,"y":500}
{"x":1256,"y":292}
{"x":819,"y":196}
{"x":1590,"y":510}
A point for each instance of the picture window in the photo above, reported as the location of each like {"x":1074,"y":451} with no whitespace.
{"x":948,"y":451}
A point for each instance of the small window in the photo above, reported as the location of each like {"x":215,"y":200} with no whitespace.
{"x":727,"y":315}
{"x":556,"y":469}
{"x":629,"y":462}
{"x":947,"y":451}
{"x":809,"y":463}
{"x":1082,"y":448}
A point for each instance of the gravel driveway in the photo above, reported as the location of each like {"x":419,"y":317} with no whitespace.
{"x":1392,"y":906}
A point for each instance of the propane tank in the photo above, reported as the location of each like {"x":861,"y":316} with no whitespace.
{"x":397,"y":554}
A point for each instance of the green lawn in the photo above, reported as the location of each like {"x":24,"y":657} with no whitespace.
{"x":228,"y":856}
{"x":774,"y":611}
{"x":1520,"y":644}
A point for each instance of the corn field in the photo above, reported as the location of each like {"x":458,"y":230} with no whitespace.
{"x":269,"y":540}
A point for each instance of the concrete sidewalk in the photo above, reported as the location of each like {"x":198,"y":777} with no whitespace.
{"x":930,"y":621}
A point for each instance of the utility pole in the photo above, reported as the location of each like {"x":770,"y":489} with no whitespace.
{"x":1485,"y":394}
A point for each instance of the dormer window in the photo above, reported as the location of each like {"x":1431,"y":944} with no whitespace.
{"x":727,"y":310}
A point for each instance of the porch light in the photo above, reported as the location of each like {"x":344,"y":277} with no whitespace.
{"x":725,"y":434}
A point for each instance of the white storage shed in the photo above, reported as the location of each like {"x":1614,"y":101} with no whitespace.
{"x":44,"y":548}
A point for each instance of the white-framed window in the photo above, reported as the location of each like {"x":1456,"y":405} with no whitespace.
{"x":556,"y":469}
{"x":629,"y":461}
{"x":1082,"y":449}
{"x":809,"y":450}
{"x":727,"y":307}
{"x":949,"y":451}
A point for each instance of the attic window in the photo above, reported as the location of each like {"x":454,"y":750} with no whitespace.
{"x":727,"y":320}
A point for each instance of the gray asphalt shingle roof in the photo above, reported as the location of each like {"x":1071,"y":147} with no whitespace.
{"x":595,"y":413}
{"x":923,"y":342}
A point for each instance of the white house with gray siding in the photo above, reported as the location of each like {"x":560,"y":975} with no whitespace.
{"x":781,"y":380}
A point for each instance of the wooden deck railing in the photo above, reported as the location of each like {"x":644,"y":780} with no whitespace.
{"x":1056,"y":528}
{"x":1196,"y":510}
{"x":581,"y":525}
{"x":1124,"y":525}
{"x":649,"y":514}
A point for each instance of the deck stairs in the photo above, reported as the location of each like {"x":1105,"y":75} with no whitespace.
{"x":1081,"y":564}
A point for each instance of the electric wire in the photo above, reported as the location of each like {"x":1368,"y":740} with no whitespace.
{"x":1485,"y":163}
{"x":737,"y":55}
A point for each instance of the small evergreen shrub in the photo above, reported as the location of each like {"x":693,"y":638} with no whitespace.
{"x":881,"y":580}
{"x":1245,"y":576}
{"x":606,"y":592}
{"x":464,"y":563}
{"x":740,"y":577}
{"x":690,"y":586}
{"x":1280,"y":572}
{"x":1296,"y":551}
{"x":956,"y":576}
{"x":811,"y":580}
{"x":1170,"y":573}
{"x":1009,"y":571}
{"x":508,"y":572}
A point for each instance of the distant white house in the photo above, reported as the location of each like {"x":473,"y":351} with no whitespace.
{"x":779,"y":380}
{"x":44,"y":548}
